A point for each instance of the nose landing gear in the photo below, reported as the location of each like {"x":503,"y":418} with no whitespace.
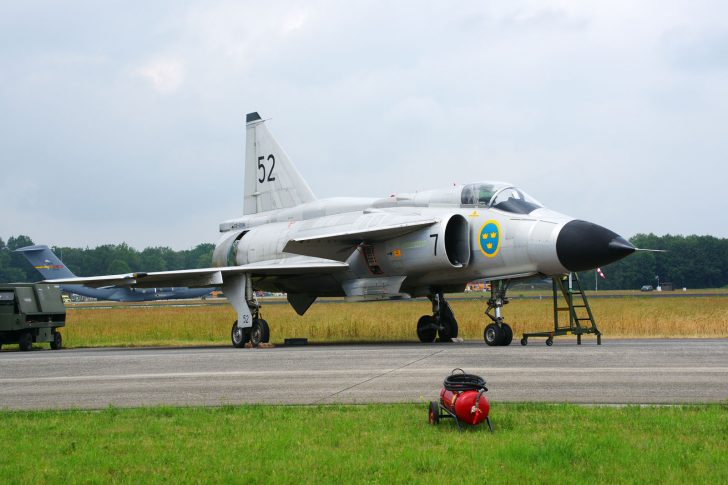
{"x":498,"y":332}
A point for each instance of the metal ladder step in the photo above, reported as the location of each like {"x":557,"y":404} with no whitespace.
{"x":371,"y":259}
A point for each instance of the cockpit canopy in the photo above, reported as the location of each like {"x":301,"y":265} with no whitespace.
{"x":499,"y":196}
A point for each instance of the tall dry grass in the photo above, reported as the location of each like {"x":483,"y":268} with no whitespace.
{"x":155,"y":325}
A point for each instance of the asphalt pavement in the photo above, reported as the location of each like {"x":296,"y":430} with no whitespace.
{"x":617,"y":372}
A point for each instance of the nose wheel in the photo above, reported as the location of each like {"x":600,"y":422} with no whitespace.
{"x":498,"y":335}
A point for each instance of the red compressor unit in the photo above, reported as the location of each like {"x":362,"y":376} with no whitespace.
{"x":462,"y":399}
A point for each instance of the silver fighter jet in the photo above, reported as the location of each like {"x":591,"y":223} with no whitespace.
{"x":427,"y":243}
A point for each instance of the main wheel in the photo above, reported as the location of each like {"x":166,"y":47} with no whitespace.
{"x":446,"y":314}
{"x":493,"y":335}
{"x":237,"y":336}
{"x":448,"y":331}
{"x":507,"y":334}
{"x":433,"y":415}
{"x":550,"y":341}
{"x":260,"y":333}
{"x":426,"y":331}
{"x":25,"y":341}
{"x":57,"y":341}
{"x":267,"y":331}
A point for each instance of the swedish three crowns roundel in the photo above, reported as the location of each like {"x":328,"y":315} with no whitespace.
{"x":490,"y":238}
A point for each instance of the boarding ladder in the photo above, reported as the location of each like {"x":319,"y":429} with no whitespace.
{"x":371,"y":259}
{"x":567,"y":289}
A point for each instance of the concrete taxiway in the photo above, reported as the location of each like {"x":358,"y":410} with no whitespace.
{"x":618,"y":372}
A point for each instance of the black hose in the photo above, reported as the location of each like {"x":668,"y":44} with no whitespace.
{"x":464,"y":382}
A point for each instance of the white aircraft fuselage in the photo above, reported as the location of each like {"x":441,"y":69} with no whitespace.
{"x":447,"y":254}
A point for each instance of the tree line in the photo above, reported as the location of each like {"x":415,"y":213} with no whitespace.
{"x":689,"y":261}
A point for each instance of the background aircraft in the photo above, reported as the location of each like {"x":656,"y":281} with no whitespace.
{"x":420,"y":244}
{"x":50,"y":266}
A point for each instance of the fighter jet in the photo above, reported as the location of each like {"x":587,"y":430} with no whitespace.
{"x":428,"y":243}
{"x":50,"y":266}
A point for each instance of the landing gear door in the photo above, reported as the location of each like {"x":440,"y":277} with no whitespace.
{"x":235,"y":291}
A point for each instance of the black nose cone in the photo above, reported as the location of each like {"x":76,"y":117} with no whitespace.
{"x":582,"y":245}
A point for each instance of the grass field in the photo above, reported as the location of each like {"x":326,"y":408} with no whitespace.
{"x":123,"y":325}
{"x":356,"y":444}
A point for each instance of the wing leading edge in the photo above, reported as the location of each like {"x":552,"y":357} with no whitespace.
{"x":338,"y":246}
{"x":205,"y":277}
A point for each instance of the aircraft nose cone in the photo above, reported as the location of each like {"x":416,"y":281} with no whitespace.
{"x":582,"y":245}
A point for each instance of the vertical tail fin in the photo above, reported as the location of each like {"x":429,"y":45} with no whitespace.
{"x":271,"y":180}
{"x":46,"y":262}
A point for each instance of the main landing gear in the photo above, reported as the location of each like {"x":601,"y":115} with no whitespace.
{"x":440,"y":324}
{"x":498,"y":332}
{"x":257,"y":334}
{"x":240,"y":294}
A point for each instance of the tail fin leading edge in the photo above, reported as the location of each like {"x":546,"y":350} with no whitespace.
{"x":46,"y":262}
{"x":271,"y":180}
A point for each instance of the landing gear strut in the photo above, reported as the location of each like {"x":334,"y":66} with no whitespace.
{"x":498,"y":332}
{"x":441,"y":323}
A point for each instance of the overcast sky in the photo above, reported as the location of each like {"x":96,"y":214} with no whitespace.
{"x":124,"y":121}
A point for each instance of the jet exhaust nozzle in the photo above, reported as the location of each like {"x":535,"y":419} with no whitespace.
{"x":582,"y":245}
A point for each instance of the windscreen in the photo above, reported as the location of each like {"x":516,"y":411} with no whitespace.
{"x":511,"y":199}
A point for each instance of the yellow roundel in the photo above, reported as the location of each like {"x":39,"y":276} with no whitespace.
{"x":489,"y":238}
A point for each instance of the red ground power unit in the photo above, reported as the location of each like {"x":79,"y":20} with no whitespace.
{"x":461,"y":398}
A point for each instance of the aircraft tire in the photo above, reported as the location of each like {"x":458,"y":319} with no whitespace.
{"x":25,"y":341}
{"x":267,"y":331}
{"x":453,"y":328}
{"x":260,"y":332}
{"x":507,"y":334}
{"x":57,"y":341}
{"x":493,"y":335}
{"x":450,"y":330}
{"x":447,"y":314}
{"x":425,"y":331}
{"x":237,"y":336}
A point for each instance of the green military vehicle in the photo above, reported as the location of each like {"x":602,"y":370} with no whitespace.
{"x":31,"y":312}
